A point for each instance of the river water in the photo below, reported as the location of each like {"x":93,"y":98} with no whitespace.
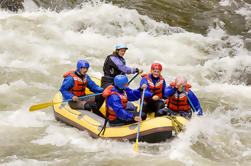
{"x":207,"y":41}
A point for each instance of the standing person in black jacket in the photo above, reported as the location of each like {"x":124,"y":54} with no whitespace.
{"x":114,"y":65}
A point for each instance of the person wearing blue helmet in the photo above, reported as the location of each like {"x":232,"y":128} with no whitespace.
{"x":118,"y":110}
{"x":74,"y":85}
{"x":114,"y":65}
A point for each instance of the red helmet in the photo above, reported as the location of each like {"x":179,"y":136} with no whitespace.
{"x":156,"y":66}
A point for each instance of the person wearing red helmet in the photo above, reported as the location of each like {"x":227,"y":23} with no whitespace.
{"x":156,"y":85}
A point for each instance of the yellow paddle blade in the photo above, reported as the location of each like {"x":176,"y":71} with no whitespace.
{"x":136,"y":145}
{"x":41,"y":106}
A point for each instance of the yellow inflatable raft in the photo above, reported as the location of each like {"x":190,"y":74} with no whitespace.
{"x":152,"y":130}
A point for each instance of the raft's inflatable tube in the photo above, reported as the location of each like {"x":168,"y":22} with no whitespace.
{"x":152,"y":130}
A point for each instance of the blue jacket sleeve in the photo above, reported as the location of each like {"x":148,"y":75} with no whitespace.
{"x":163,"y":90}
{"x":67,"y":84}
{"x":93,"y":86}
{"x":194,"y":101}
{"x":122,"y":67}
{"x":133,"y":95}
{"x":114,"y":102}
{"x":148,"y":94}
{"x":169,"y":91}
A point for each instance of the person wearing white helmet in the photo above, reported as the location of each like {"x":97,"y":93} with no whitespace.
{"x":114,"y":65}
{"x":181,"y":100}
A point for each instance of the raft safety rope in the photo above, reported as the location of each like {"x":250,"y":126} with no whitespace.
{"x":177,"y":126}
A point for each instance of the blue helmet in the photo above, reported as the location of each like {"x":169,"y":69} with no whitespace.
{"x":120,"y":81}
{"x":82,"y":63}
{"x":120,"y":46}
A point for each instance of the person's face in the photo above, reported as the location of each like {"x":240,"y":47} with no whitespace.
{"x":83,"y":70}
{"x":179,"y":87}
{"x":126,"y":85}
{"x":121,"y":52}
{"x":156,"y":73}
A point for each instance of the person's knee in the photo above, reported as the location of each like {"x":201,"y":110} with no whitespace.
{"x":131,"y":107}
{"x":147,"y":108}
{"x":90,"y":105}
{"x":87,"y":106}
{"x":116,"y":122}
{"x":143,"y":116}
{"x":145,"y":104}
{"x":186,"y":114}
{"x":99,"y":100}
{"x":161,"y":112}
{"x":160,"y":105}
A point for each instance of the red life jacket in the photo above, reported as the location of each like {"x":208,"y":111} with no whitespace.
{"x":179,"y":103}
{"x":157,"y":88}
{"x":79,"y":86}
{"x":109,"y":111}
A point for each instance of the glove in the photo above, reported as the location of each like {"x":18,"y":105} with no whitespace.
{"x":199,"y":112}
{"x":166,"y":101}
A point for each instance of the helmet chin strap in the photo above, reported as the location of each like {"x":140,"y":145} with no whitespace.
{"x":121,"y":90}
{"x":80,"y":75}
{"x":155,"y":78}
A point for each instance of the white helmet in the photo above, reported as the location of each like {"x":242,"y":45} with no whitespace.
{"x":181,"y":80}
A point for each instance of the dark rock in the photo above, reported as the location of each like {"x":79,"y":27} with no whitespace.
{"x":12,"y":5}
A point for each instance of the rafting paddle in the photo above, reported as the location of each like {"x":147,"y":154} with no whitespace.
{"x":133,"y":78}
{"x":140,"y":112}
{"x":189,"y":99}
{"x":44,"y":105}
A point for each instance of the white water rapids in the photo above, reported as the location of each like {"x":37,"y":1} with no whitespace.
{"x":38,"y":46}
